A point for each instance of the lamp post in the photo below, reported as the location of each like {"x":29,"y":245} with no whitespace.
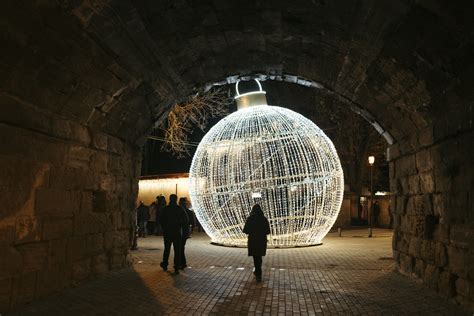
{"x":371,"y":163}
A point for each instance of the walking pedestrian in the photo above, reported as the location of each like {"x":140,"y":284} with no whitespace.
{"x":142,"y":219}
{"x":152,"y":218}
{"x":375,"y":214}
{"x":173,"y":218}
{"x":187,"y":229}
{"x":160,"y":205}
{"x":257,"y":228}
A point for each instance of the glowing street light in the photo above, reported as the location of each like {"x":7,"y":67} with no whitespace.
{"x":371,"y":163}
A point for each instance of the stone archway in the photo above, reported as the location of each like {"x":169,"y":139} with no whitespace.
{"x":83,"y":82}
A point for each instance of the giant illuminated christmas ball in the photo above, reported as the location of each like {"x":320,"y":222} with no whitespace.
{"x":272,"y":156}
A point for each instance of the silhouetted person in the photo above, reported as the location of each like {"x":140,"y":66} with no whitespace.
{"x":375,"y":213}
{"x":187,"y":229}
{"x":142,"y":219}
{"x":160,"y":205}
{"x":257,"y":228}
{"x":134,"y":230}
{"x":173,"y":218}
{"x":152,"y":218}
{"x":390,"y":214}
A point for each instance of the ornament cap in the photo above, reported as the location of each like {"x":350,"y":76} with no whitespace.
{"x":253,"y":98}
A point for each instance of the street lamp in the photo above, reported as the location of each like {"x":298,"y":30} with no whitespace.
{"x":371,"y":163}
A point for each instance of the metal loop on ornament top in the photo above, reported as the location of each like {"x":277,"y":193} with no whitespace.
{"x":253,"y":98}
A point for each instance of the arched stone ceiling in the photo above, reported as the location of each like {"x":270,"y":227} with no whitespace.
{"x":119,"y":65}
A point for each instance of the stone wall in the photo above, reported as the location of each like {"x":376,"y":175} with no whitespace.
{"x":79,"y":80}
{"x":66,"y":196}
{"x":433,"y":212}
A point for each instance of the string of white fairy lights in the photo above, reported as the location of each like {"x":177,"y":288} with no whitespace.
{"x":273,"y":156}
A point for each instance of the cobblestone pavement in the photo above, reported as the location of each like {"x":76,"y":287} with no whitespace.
{"x":349,"y":275}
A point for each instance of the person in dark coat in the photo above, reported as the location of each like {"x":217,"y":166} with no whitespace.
{"x":187,"y":229}
{"x":375,"y":214}
{"x":142,"y":219}
{"x":173,"y":218}
{"x":257,"y":228}
{"x":160,"y":205}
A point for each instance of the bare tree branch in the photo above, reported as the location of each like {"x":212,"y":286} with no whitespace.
{"x":184,"y":118}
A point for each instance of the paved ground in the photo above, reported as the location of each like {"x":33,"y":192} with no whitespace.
{"x":349,"y":275}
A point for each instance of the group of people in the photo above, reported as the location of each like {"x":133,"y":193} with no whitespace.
{"x":174,"y":221}
{"x":177,"y":222}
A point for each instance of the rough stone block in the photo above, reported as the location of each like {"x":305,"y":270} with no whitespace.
{"x":57,"y":227}
{"x":423,"y":160}
{"x":118,"y":241}
{"x":416,"y":225}
{"x":115,"y":145}
{"x":402,"y":186}
{"x":458,"y":261}
{"x":27,"y":229}
{"x":414,"y":184}
{"x":100,"y":264}
{"x":81,"y":270}
{"x":465,"y":287}
{"x":35,"y":256}
{"x":107,"y":183}
{"x":457,"y":204}
{"x":79,"y":156}
{"x":31,"y":145}
{"x":57,"y":253}
{"x":99,"y":201}
{"x":5,"y":293}
{"x":22,"y":173}
{"x":419,"y":268}
{"x":70,"y":178}
{"x":90,"y":223}
{"x":441,"y":232}
{"x":113,"y":203}
{"x":431,"y":276}
{"x":441,"y":256}
{"x":428,"y":251}
{"x":51,"y":280}
{"x":56,"y":202}
{"x":99,"y":141}
{"x":427,"y":183}
{"x":23,"y":288}
{"x":462,"y":236}
{"x":11,"y":261}
{"x":401,"y":204}
{"x":115,"y":164}
{"x":14,"y":200}
{"x":99,"y":162}
{"x":446,"y":285}
{"x":128,"y":218}
{"x":393,"y":152}
{"x":414,"y":247}
{"x":405,"y":166}
{"x":118,"y":260}
{"x":80,"y":133}
{"x":439,"y":205}
{"x":425,"y":136}
{"x":86,"y":202}
{"x":75,"y":249}
{"x":443,"y":181}
{"x":94,"y":244}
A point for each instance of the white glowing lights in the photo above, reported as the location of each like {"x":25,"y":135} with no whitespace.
{"x":273,"y":156}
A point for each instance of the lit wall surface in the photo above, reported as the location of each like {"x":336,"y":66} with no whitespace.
{"x":148,"y":189}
